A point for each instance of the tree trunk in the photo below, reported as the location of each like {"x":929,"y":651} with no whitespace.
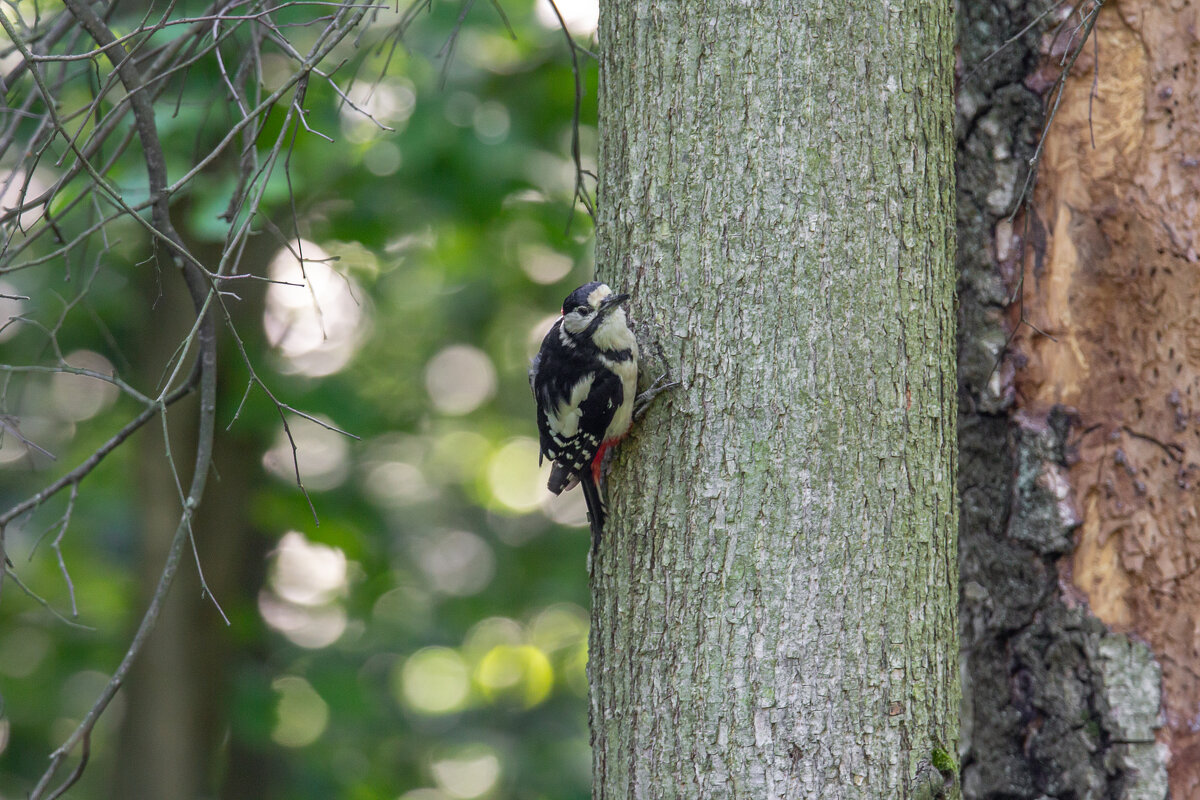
{"x":1053,"y":439}
{"x":774,"y":603}
{"x":174,"y":738}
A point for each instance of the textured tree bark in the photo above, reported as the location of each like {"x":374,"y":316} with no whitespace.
{"x":774,"y":604}
{"x":1054,"y":442}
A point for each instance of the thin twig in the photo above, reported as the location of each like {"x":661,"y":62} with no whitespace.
{"x":76,"y":207}
{"x":1014,"y":38}
{"x":580,"y":189}
{"x":1060,"y":84}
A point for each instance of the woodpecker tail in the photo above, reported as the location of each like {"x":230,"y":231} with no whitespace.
{"x":560,"y":479}
{"x":595,"y":506}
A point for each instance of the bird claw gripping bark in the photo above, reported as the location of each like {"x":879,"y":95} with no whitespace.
{"x":642,"y":403}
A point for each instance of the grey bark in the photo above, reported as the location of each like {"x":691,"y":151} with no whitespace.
{"x":774,"y":601}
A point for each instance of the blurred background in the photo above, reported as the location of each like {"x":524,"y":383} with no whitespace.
{"x":427,"y":639}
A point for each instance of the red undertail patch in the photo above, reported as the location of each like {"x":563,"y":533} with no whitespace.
{"x":598,"y":461}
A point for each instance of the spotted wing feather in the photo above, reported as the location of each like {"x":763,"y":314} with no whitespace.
{"x":576,"y":402}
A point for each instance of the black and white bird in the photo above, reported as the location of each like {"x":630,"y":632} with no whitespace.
{"x":584,"y":381}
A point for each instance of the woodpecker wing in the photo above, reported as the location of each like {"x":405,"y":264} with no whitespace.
{"x":576,"y":399}
{"x":596,"y":411}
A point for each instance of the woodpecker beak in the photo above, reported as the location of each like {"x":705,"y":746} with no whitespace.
{"x":609,"y":303}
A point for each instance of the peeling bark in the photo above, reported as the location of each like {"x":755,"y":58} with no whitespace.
{"x":1058,"y":701}
{"x":1120,"y":289}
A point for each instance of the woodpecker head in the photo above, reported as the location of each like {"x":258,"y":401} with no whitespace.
{"x":593,"y":308}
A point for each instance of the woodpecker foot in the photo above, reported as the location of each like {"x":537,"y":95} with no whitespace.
{"x":642,"y":402}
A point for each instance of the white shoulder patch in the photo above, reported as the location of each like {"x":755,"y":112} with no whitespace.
{"x":564,"y":419}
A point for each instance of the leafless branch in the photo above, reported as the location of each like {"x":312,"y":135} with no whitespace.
{"x":64,"y":203}
{"x":1082,"y":31}
{"x":581,"y":192}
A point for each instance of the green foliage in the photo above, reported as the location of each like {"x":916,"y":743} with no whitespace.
{"x":431,"y":631}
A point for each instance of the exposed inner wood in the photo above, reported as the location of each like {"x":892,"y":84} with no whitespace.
{"x":1118,"y":289}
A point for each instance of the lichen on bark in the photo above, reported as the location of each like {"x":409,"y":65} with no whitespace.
{"x":774,"y":602}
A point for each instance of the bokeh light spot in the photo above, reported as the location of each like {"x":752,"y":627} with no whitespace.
{"x":559,"y":626}
{"x":582,"y":17}
{"x":514,"y":476}
{"x":568,"y":508}
{"x":307,"y":582}
{"x":308,"y":574}
{"x":45,"y":433}
{"x":489,"y":633}
{"x":459,"y":379}
{"x":457,"y":456}
{"x":433,"y":681}
{"x":301,"y":714}
{"x":318,"y":324}
{"x":521,"y":675}
{"x":311,"y":628}
{"x":396,"y":483}
{"x":457,"y":563}
{"x":467,"y":772}
{"x":382,"y":159}
{"x":21,"y":187}
{"x":544,"y":266}
{"x":323,"y":454}
{"x":389,"y":101}
{"x":80,"y":397}
{"x":538,"y":332}
{"x":11,"y":306}
{"x":491,"y":122}
{"x":22,"y":650}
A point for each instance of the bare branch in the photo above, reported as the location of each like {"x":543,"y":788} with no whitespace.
{"x":76,"y":475}
{"x":1084,"y":30}
{"x":63,"y":217}
{"x":581,"y":193}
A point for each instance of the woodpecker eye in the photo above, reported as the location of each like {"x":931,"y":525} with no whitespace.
{"x":583,"y":311}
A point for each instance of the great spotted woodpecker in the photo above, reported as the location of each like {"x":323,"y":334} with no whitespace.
{"x":584,"y":381}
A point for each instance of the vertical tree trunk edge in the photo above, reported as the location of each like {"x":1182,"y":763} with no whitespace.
{"x":774,"y":604}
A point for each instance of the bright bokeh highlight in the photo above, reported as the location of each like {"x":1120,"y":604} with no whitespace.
{"x":459,"y":379}
{"x":514,"y":477}
{"x":301,"y":714}
{"x":306,"y":585}
{"x":467,"y":772}
{"x":520,"y":675}
{"x":323,"y":454}
{"x":314,"y":316}
{"x":79,"y":397}
{"x":582,"y":17}
{"x":433,"y":681}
